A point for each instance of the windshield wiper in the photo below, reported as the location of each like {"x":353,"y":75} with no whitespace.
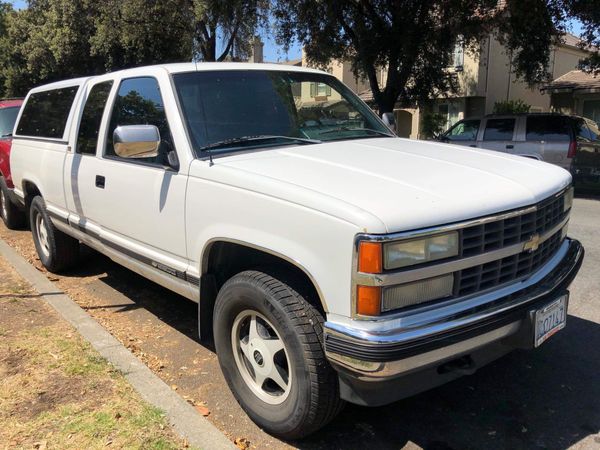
{"x":335,"y":130}
{"x":266,"y":137}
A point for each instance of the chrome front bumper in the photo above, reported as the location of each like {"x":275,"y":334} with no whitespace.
{"x":495,"y":325}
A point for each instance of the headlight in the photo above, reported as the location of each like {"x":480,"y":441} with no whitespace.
{"x":417,"y":251}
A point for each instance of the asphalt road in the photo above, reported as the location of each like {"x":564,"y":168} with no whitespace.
{"x":548,"y":398}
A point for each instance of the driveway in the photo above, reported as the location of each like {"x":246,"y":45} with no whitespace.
{"x":547,"y":399}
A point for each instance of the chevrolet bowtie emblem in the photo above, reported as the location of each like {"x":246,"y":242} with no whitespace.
{"x":532,"y":244}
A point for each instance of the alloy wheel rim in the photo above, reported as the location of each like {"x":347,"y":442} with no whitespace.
{"x":261,"y":357}
{"x":42,"y":234}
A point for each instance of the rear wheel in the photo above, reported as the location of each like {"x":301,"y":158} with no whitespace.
{"x":12,"y":216}
{"x":269,"y":342}
{"x":57,"y":251}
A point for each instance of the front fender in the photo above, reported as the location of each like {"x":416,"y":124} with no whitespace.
{"x":318,"y":244}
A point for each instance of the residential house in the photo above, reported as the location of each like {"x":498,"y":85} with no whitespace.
{"x":485,"y":77}
{"x":576,"y":92}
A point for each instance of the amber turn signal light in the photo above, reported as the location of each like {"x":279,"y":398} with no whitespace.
{"x":370,"y":259}
{"x":368,"y":300}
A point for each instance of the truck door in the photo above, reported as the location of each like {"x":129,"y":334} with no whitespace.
{"x":135,"y":205}
{"x":81,"y":162}
{"x":498,"y":134}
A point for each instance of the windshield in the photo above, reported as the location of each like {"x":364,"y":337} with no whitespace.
{"x":233,"y":110}
{"x":465,"y":130}
{"x":8,"y":116}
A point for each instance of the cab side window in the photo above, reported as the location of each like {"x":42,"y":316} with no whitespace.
{"x":139,"y":102}
{"x":46,"y":113}
{"x":87,"y":138}
{"x":548,"y":128}
{"x":465,"y":130}
{"x":499,"y":130}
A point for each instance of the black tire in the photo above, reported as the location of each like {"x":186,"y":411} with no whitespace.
{"x":313,"y":397}
{"x":59,"y":251}
{"x":12,"y":216}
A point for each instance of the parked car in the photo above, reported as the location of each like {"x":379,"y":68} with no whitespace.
{"x":10,"y":211}
{"x":585,"y":167}
{"x":554,"y":138}
{"x":330,"y":263}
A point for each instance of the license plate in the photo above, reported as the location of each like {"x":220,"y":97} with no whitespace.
{"x":550,"y":319}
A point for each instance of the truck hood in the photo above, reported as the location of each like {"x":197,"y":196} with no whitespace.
{"x":393,"y":184}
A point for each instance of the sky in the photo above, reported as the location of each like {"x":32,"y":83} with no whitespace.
{"x":274,"y":53}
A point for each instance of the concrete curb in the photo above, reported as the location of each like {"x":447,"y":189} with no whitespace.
{"x":186,"y":421}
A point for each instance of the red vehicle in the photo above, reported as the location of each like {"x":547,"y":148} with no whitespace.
{"x":11,"y":213}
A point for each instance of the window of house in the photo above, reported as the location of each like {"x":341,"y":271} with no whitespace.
{"x":465,"y":130}
{"x":458,"y":55}
{"x":45,"y":114}
{"x":87,"y":138}
{"x":450,"y":112}
{"x":591,"y":110}
{"x":499,"y":130}
{"x":8,"y":116}
{"x":139,"y":102}
{"x":320,"y":90}
{"x":548,"y":128}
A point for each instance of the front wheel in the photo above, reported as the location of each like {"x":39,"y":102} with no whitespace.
{"x":57,"y":251}
{"x":269,"y":342}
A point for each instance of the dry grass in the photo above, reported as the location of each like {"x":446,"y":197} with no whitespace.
{"x":57,"y":392}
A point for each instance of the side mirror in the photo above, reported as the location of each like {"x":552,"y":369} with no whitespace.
{"x":390,"y":120}
{"x":136,"y":141}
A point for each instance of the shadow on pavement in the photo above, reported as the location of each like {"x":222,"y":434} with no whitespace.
{"x":175,"y":310}
{"x":548,"y":398}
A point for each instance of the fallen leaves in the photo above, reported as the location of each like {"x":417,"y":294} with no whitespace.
{"x":42,"y":445}
{"x":202,"y":410}
{"x":242,"y":443}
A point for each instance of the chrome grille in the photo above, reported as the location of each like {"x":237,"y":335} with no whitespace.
{"x":495,"y":273}
{"x":501,"y":233}
{"x":495,"y":235}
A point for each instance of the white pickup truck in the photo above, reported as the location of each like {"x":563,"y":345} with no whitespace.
{"x":331,"y":260}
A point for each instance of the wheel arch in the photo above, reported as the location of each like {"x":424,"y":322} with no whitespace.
{"x":222,"y":258}
{"x":30,"y":190}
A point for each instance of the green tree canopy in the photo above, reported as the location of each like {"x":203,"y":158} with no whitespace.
{"x":57,"y":39}
{"x":412,"y":40}
{"x":236,"y":21}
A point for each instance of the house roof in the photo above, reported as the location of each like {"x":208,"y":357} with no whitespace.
{"x":293,"y":62}
{"x":571,"y":40}
{"x":575,"y":80}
